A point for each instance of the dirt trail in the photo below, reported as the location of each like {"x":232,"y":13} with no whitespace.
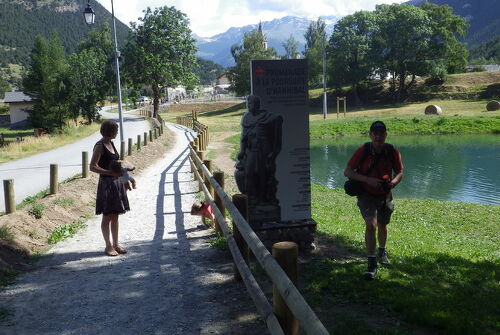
{"x":170,"y":282}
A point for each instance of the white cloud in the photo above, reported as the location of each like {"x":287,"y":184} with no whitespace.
{"x":210,"y":17}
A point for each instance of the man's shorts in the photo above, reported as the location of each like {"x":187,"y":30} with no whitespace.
{"x":380,"y":206}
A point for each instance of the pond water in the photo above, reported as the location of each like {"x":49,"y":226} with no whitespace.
{"x":441,"y":167}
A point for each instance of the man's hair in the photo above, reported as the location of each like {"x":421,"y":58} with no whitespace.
{"x":378,"y":126}
{"x":108,"y":128}
{"x":115,"y":166}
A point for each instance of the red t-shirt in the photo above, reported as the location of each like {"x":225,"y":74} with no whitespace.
{"x":206,"y":210}
{"x":383,"y":170}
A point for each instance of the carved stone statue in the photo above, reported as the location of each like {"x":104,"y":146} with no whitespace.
{"x":259,"y":146}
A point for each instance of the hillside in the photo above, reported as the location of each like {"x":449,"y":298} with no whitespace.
{"x":22,"y":20}
{"x":482,"y":15}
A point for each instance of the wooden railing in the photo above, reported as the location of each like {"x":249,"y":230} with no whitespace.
{"x":243,"y":237}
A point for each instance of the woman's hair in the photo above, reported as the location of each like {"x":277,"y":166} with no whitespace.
{"x":108,"y":128}
{"x":115,"y":166}
{"x":196,"y":207}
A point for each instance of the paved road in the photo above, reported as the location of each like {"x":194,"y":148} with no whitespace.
{"x":32,"y":174}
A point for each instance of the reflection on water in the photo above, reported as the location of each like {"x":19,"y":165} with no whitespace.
{"x":456,"y":168}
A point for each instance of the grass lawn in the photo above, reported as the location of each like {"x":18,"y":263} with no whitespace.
{"x":445,"y":258}
{"x":31,"y":145}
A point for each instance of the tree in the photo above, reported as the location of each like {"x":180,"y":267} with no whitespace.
{"x":47,"y":82}
{"x":291,"y":47}
{"x":89,"y":84}
{"x":253,"y":48}
{"x":315,"y":36}
{"x":349,"y":49}
{"x":445,"y":46}
{"x":4,"y":86}
{"x":412,"y":41}
{"x":160,"y":51}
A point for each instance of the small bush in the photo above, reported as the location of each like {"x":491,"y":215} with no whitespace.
{"x":37,"y":210}
{"x":6,"y":233}
{"x":218,"y":243}
{"x":63,"y":232}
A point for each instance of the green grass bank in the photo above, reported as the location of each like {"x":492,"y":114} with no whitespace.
{"x":445,"y":258}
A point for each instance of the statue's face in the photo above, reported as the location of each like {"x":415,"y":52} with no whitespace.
{"x":253,"y":103}
{"x":250,"y":103}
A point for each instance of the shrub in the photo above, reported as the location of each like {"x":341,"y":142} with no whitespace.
{"x":6,"y":233}
{"x":37,"y":210}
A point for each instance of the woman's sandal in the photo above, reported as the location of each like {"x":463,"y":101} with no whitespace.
{"x":111,"y":252}
{"x":120,"y":250}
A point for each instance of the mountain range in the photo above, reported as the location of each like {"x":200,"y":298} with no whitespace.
{"x":218,"y":48}
{"x":482,"y":15}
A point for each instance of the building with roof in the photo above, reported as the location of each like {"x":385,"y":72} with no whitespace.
{"x":19,"y":104}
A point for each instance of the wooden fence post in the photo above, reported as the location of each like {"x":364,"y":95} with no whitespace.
{"x":138,"y":142}
{"x":286,"y":254}
{"x":122,"y":150}
{"x":85,"y":164}
{"x":219,"y":178}
{"x":129,"y":147}
{"x":210,"y":188}
{"x":155,"y":134}
{"x":8,"y":192}
{"x":193,"y":164}
{"x":150,"y":135}
{"x":240,"y":201}
{"x":201,"y":155}
{"x":53,"y":178}
{"x":145,"y":138}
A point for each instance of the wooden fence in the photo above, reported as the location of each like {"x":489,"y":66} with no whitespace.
{"x":220,"y":201}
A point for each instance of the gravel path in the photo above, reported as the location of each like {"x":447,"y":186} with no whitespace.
{"x":170,"y":282}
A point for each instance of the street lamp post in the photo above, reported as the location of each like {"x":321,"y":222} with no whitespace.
{"x":324,"y":80}
{"x":89,"y":15}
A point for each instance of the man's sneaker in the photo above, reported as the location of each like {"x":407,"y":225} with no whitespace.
{"x":372,"y":268}
{"x":383,"y":256}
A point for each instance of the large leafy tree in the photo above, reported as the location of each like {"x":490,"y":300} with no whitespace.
{"x":253,"y":48}
{"x":350,"y":48}
{"x":445,"y":47}
{"x":91,"y":73}
{"x":413,"y":41}
{"x":47,"y":82}
{"x":160,"y":51}
{"x":315,"y":36}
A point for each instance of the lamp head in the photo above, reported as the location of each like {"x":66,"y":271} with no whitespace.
{"x":89,"y":14}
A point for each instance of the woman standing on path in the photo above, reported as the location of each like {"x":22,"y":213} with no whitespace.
{"x":111,"y":200}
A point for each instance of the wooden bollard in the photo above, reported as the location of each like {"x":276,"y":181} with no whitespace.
{"x":155,"y":134}
{"x":122,"y":150}
{"x":85,"y":164}
{"x":197,"y":143}
{"x":201,"y":155}
{"x":192,"y":158}
{"x":138,"y":142}
{"x":240,"y":201}
{"x":208,"y":164}
{"x":53,"y":178}
{"x":129,"y":151}
{"x":286,"y":254}
{"x":145,"y":138}
{"x":150,"y":136}
{"x":219,"y":178}
{"x":10,"y":199}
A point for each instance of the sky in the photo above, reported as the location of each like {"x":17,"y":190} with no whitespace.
{"x":210,"y":17}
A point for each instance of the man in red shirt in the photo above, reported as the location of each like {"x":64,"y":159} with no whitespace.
{"x":378,"y":166}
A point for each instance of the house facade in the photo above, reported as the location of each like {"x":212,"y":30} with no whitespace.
{"x":19,"y":103}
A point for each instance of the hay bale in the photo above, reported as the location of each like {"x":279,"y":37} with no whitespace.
{"x":493,"y":105}
{"x":433,"y":109}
